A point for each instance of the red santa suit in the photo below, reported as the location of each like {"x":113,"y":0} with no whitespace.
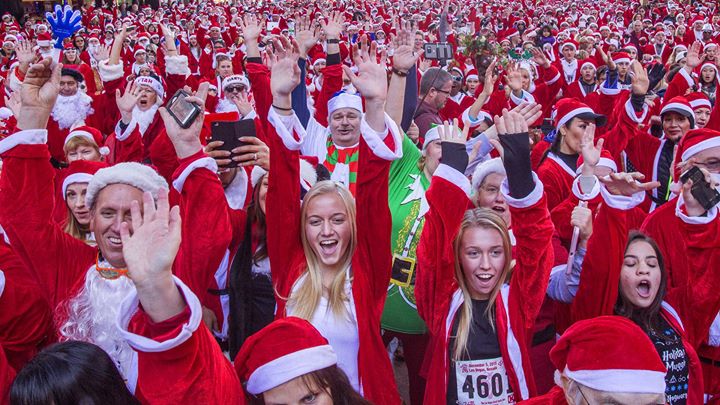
{"x":370,"y":262}
{"x":688,"y":309}
{"x":7,"y":375}
{"x":439,"y":298}
{"x":65,"y":265}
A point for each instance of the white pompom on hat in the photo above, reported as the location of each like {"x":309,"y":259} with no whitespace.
{"x":131,"y":173}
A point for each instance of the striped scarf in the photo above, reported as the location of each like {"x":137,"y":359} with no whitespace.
{"x":347,"y":156}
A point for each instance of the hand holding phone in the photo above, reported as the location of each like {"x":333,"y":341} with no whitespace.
{"x":704,"y":192}
{"x":183,"y":111}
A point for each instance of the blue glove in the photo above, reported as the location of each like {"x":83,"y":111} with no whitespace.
{"x":65,"y":22}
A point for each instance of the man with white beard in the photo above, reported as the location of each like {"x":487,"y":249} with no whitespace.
{"x":86,"y":285}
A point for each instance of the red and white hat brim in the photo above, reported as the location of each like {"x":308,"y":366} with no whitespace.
{"x":620,"y":380}
{"x":290,"y":366}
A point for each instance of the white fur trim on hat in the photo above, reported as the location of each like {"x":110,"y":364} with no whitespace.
{"x":153,"y":83}
{"x":432,"y":134}
{"x":621,"y":60}
{"x":292,"y":365}
{"x":484,"y":169}
{"x":619,"y":380}
{"x":344,"y":100}
{"x":75,"y":178}
{"x":700,"y":146}
{"x":81,"y":134}
{"x":572,"y":114}
{"x":235,"y":80}
{"x":679,"y":108}
{"x":130,"y":173}
{"x":700,"y":103}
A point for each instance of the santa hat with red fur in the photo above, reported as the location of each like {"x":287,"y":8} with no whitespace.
{"x":612,"y":354}
{"x":282,"y":351}
{"x":80,"y":171}
{"x":91,"y":134}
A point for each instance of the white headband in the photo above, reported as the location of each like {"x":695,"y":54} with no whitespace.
{"x":344,"y":100}
{"x":152,"y":83}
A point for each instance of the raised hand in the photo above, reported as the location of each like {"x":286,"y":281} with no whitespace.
{"x":127,"y":102}
{"x":627,"y":184}
{"x":371,"y":79}
{"x":25,"y":53}
{"x":149,"y":253}
{"x":539,"y":57}
{"x":254,"y":152}
{"x":334,"y":25}
{"x":187,"y":140}
{"x":451,"y":133}
{"x":404,"y":56}
{"x":640,"y":81}
{"x":102,"y":53}
{"x":285,"y":74}
{"x":65,"y":22}
{"x":590,"y":151}
{"x":582,"y":218}
{"x":243,"y":104}
{"x":490,"y":79}
{"x":513,"y":78}
{"x":14,"y":104}
{"x":38,"y":94}
{"x":251,"y":27}
{"x":307,"y":34}
{"x":510,"y":123}
{"x":529,"y":111}
{"x":694,"y":57}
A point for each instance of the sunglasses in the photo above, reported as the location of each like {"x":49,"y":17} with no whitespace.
{"x":235,"y":89}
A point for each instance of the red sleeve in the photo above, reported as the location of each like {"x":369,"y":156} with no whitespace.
{"x":332,"y":83}
{"x":7,"y":375}
{"x":714,"y":121}
{"x":58,"y":260}
{"x":435,"y":284}
{"x":697,"y":302}
{"x":179,"y":360}
{"x":679,"y":84}
{"x":127,"y":150}
{"x":259,"y":77}
{"x":205,"y":221}
{"x":600,"y":275}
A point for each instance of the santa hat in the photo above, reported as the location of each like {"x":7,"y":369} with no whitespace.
{"x":91,"y":134}
{"x":708,"y":64}
{"x":80,"y":171}
{"x":620,"y":57}
{"x":472,"y":74}
{"x":568,"y":108}
{"x":569,"y":43}
{"x":68,"y":46}
{"x":342,"y":99}
{"x":9,"y":39}
{"x":139,"y":48}
{"x":681,"y":106}
{"x":698,"y":100}
{"x":586,"y":62}
{"x":696,"y":141}
{"x":610,"y":353}
{"x":486,"y":168}
{"x":606,"y":160}
{"x":284,"y":350}
{"x":308,"y":174}
{"x":153,"y":82}
{"x":44,"y":39}
{"x":234,"y":80}
{"x":130,"y":173}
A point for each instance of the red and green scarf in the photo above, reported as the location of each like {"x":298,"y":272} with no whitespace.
{"x":348,"y":156}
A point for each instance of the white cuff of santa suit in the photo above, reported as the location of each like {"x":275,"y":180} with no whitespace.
{"x":706,"y":219}
{"x":453,"y":176}
{"x":529,"y":200}
{"x":129,"y":307}
{"x":527,"y":97}
{"x":236,"y":191}
{"x":376,"y":140}
{"x":287,"y":126}
{"x":121,"y":135}
{"x":27,"y":137}
{"x":206,"y":162}
{"x":622,"y":202}
{"x":630,"y":111}
{"x":588,"y":194}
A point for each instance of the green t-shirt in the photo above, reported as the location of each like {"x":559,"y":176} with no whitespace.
{"x":406,"y":197}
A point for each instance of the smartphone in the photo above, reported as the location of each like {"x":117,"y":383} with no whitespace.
{"x":183,"y":111}
{"x":703,"y":191}
{"x":438,"y":51}
{"x":230,"y":132}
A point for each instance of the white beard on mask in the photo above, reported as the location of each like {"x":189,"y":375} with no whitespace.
{"x":143,"y":118}
{"x":92,"y":317}
{"x":225,"y":105}
{"x":71,"y":111}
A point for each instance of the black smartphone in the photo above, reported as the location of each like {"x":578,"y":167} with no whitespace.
{"x":703,"y":191}
{"x":182,"y":110}
{"x":230,"y":132}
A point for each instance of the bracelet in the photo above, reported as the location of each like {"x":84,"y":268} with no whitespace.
{"x":332,"y":41}
{"x":399,"y":73}
{"x":281,"y":109}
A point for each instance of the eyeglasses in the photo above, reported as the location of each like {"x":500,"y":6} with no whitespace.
{"x":235,"y":89}
{"x":442,"y":91}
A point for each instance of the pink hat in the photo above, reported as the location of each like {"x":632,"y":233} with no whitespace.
{"x":284,"y":350}
{"x":610,"y":353}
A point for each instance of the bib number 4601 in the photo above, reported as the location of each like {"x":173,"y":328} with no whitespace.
{"x":485,"y":387}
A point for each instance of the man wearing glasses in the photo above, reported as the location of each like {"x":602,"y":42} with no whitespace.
{"x":435,"y":87}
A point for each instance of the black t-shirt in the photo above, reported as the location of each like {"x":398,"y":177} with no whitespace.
{"x":570,"y":160}
{"x":482,"y":343}
{"x":672,"y":352}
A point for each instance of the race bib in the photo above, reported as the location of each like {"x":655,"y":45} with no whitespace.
{"x":483,"y":382}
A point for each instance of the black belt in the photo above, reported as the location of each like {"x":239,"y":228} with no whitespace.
{"x":714,"y":363}
{"x":224,"y":291}
{"x":544,"y":336}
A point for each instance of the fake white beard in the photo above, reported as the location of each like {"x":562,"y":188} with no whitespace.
{"x":225,"y":105}
{"x":92,"y":316}
{"x":143,"y":118}
{"x":72,"y":110}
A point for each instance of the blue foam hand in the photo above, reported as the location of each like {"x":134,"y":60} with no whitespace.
{"x":65,"y":22}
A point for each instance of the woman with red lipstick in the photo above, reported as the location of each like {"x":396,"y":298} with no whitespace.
{"x":479,"y":302}
{"x":624,"y":275}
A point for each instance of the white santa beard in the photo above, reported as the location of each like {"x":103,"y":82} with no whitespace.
{"x":92,"y":317}
{"x":143,"y":118}
{"x":225,"y":105}
{"x":72,"y":111}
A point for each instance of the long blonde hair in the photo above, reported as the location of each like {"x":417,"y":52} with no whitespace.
{"x":486,"y":219}
{"x":307,"y":297}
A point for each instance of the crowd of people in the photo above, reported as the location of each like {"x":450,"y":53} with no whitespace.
{"x":531,"y":218}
